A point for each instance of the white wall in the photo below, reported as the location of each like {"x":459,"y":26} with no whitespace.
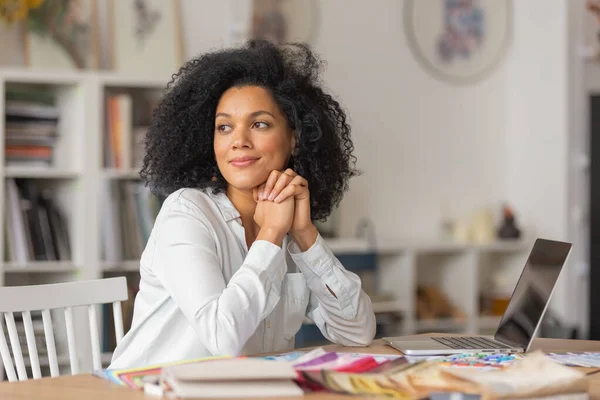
{"x":538,"y":115}
{"x":420,"y":142}
{"x":545,"y":126}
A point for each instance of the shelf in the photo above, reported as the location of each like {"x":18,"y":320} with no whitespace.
{"x":357,"y":245}
{"x":131,"y":81}
{"x":442,"y":325}
{"x":125,"y":266}
{"x":40,"y":267}
{"x":380,"y":307}
{"x":41,"y":76}
{"x":452,"y":247}
{"x":39,"y":172}
{"x":56,"y":77}
{"x":506,"y":246}
{"x":489,"y":322}
{"x":348,"y":245}
{"x":114,"y":173}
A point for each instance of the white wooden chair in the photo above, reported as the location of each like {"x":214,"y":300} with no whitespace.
{"x":44,"y":298}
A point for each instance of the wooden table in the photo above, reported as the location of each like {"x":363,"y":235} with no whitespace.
{"x":88,"y":387}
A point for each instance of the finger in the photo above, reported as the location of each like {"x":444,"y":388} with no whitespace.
{"x":282,"y":182}
{"x":257,"y":191}
{"x":300,"y":187}
{"x":290,"y":190}
{"x":290,"y":172}
{"x":273,"y":177}
{"x":299,"y":180}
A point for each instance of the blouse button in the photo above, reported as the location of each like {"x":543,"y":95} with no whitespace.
{"x":269,"y":324}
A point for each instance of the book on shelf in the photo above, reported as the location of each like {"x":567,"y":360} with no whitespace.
{"x":31,"y":128}
{"x":126,"y":126}
{"x":128,"y":218}
{"x":36,"y":229}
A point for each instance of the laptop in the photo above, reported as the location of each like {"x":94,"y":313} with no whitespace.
{"x":522,"y":317}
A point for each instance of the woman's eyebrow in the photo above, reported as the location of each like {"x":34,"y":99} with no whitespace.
{"x":252,"y":115}
{"x":261,"y":112}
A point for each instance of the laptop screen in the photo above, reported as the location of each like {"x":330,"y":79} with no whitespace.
{"x":532,"y":292}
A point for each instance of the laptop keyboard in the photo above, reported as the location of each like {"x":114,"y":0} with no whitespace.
{"x":459,"y":342}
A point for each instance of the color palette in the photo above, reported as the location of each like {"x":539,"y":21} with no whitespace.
{"x":482,"y":360}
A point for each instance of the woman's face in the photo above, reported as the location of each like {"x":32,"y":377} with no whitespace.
{"x":252,"y":137}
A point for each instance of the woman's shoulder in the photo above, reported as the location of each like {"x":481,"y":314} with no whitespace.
{"x":194,"y":200}
{"x":198,"y":203}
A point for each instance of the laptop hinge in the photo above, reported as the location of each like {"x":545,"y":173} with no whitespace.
{"x":510,"y":343}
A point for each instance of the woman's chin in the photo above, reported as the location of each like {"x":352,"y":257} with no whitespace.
{"x":246,"y":185}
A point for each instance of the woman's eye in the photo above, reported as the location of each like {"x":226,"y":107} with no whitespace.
{"x":223,"y":128}
{"x":260,"y":125}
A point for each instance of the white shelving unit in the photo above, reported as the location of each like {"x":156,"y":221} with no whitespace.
{"x":461,"y":271}
{"x":78,"y":178}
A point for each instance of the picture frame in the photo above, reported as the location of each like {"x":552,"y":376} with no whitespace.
{"x":136,"y":23}
{"x":62,"y":35}
{"x":277,"y":21}
{"x":284,"y":21}
{"x":464,"y":45}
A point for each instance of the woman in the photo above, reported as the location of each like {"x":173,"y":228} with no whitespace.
{"x":250,"y":150}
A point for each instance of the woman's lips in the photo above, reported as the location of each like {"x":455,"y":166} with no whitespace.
{"x":243,"y":161}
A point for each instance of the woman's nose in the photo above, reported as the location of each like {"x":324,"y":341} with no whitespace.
{"x":241,"y":139}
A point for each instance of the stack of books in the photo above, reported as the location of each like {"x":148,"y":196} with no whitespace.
{"x":36,"y":228}
{"x":214,"y":377}
{"x":31,"y":127}
{"x":241,"y":377}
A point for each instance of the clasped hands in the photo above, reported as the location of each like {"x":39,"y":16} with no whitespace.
{"x":283,"y":206}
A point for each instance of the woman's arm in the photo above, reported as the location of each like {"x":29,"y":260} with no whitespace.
{"x":338,"y":305}
{"x":186,"y":261}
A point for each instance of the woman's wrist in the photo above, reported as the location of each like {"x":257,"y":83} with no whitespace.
{"x":271,"y":235}
{"x":306,"y":238}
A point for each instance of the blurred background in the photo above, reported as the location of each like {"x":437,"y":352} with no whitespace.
{"x":473,"y":124}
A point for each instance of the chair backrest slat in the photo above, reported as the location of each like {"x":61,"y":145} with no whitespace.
{"x":71,"y":342}
{"x":118,"y":317}
{"x":50,"y":344}
{"x":44,"y":298}
{"x":15,"y":345}
{"x":95,"y":340}
{"x":6,"y":357}
{"x":31,"y":346}
{"x":61,"y":295}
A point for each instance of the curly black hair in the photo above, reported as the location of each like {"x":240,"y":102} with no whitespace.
{"x":179,"y":141}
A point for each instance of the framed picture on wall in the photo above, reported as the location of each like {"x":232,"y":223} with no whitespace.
{"x":146,"y":37}
{"x":62,"y":35}
{"x":458,"y":40}
{"x":284,"y":21}
{"x":278,"y":21}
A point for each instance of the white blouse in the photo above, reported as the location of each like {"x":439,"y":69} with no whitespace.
{"x":203,"y":292}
